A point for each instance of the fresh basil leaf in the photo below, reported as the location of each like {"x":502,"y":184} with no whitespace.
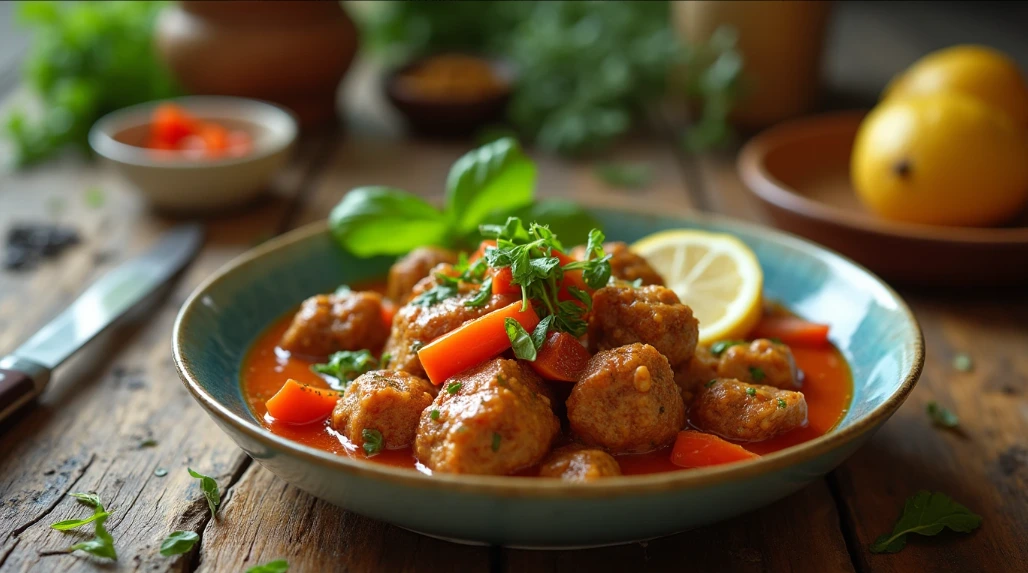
{"x":485,"y":292}
{"x":73,"y":523}
{"x":926,"y":513}
{"x":520,"y":341}
{"x":625,"y":175}
{"x":372,"y":441}
{"x":210,"y":490}
{"x":178,"y":542}
{"x":346,"y":365}
{"x":277,"y":566}
{"x":383,"y":221}
{"x":941,"y":416}
{"x":540,"y":331}
{"x":496,"y":176}
{"x":90,"y":499}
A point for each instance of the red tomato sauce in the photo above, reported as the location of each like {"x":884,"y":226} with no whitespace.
{"x":827,"y":386}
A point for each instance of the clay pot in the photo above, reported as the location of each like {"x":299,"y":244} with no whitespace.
{"x":292,"y":53}
{"x":781,"y":45}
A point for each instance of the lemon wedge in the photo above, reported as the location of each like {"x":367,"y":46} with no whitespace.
{"x":715,"y":274}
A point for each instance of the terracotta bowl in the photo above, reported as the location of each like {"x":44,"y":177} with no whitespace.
{"x":799,"y":171}
{"x":448,"y":119}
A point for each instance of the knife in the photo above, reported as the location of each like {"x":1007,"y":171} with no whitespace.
{"x":25,"y":373}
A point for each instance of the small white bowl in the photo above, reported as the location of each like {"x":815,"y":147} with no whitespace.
{"x":176,"y":182}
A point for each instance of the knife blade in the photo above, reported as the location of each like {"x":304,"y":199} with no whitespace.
{"x":25,"y":372}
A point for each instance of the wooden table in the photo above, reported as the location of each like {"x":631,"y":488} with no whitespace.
{"x":89,"y":429}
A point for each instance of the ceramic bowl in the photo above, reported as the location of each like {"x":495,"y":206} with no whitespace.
{"x":448,"y":118}
{"x":800,"y":171}
{"x":177,"y":183}
{"x":870,"y":324}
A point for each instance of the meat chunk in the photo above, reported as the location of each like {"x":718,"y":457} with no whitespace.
{"x":418,"y":324}
{"x":626,"y":401}
{"x":651,"y":315}
{"x":579,"y":463}
{"x":411,"y":268}
{"x":692,"y":375}
{"x":327,"y":323}
{"x":492,"y":419}
{"x":624,"y":264}
{"x":760,"y":362}
{"x":748,"y":412}
{"x":390,"y":402}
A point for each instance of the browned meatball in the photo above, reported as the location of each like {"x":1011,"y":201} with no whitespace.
{"x":390,"y":402}
{"x":626,"y":400}
{"x":327,"y":323}
{"x":579,"y":463}
{"x":692,"y":375}
{"x":748,"y":412}
{"x":492,"y":419}
{"x":414,"y":266}
{"x":760,"y":362}
{"x":651,"y":314}
{"x":416,"y":325}
{"x":624,"y":264}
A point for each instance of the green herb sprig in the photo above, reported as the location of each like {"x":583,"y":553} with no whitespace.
{"x":926,"y":513}
{"x":346,"y":365}
{"x":210,"y":490}
{"x":102,"y":545}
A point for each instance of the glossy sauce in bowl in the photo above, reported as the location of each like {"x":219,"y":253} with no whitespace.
{"x":827,"y":386}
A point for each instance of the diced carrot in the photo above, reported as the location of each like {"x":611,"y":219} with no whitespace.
{"x":170,"y":123}
{"x":298,"y":403}
{"x":503,"y":281}
{"x":696,"y":450}
{"x":215,"y":138}
{"x":571,"y":279}
{"x":473,"y":342}
{"x":562,"y":357}
{"x":480,"y":252}
{"x":792,"y":330}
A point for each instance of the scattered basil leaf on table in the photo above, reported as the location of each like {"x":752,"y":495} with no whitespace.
{"x":148,"y":443}
{"x":102,"y":545}
{"x":210,"y":490}
{"x":383,"y":221}
{"x":625,"y":175}
{"x":178,"y":542}
{"x":74,"y":523}
{"x":495,"y":177}
{"x":90,"y":499}
{"x":277,"y":566}
{"x":346,"y":365}
{"x":926,"y":513}
{"x":941,"y":416}
{"x":962,"y":362}
{"x":520,"y":340}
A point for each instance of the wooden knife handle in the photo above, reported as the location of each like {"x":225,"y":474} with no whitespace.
{"x":20,"y":381}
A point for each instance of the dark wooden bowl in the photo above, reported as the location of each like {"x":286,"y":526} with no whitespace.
{"x":449,"y":119}
{"x":799,"y":170}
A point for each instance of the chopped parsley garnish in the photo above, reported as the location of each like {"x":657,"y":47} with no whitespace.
{"x":210,"y":490}
{"x":751,"y":391}
{"x":926,"y":513}
{"x":710,"y":383}
{"x":496,"y":442}
{"x":781,"y":404}
{"x":756,"y":373}
{"x":453,"y":387}
{"x":372,"y":441}
{"x":434,"y":415}
{"x":448,"y":286}
{"x":941,"y":416}
{"x":346,"y":365}
{"x":719,"y":347}
{"x":534,"y":257}
{"x":178,"y":542}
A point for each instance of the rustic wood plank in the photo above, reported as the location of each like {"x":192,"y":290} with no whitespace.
{"x":86,"y":431}
{"x":799,"y":533}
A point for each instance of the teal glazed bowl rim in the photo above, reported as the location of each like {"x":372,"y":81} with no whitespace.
{"x":520,"y":487}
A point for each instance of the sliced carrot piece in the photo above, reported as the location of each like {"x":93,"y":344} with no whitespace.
{"x":170,"y":124}
{"x":473,"y":342}
{"x":696,"y":450}
{"x":503,"y":281}
{"x":298,"y":403}
{"x":792,"y":330}
{"x":562,"y":357}
{"x":480,"y":252}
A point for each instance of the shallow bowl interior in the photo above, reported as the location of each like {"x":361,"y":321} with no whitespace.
{"x":871,"y":326}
